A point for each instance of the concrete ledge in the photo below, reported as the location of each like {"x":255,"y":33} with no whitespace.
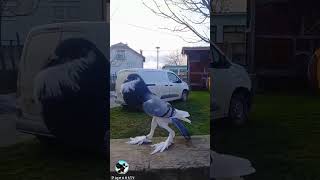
{"x":183,"y":160}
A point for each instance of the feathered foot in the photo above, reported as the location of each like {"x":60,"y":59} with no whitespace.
{"x":139,"y":140}
{"x":160,"y":147}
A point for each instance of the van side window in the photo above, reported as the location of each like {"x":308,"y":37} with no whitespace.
{"x":218,"y":60}
{"x":173,"y":78}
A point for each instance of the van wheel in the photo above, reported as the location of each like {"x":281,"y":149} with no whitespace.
{"x":184,"y":96}
{"x":239,"y":109}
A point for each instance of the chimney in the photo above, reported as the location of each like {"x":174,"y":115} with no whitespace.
{"x":141,"y":52}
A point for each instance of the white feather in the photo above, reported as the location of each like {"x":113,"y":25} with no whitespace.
{"x":49,"y":82}
{"x":182,"y":115}
{"x":128,"y":86}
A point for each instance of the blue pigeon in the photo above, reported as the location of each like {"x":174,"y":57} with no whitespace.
{"x":136,"y":94}
{"x":71,"y":91}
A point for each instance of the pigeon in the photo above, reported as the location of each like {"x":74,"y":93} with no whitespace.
{"x":71,"y":91}
{"x":136,"y":94}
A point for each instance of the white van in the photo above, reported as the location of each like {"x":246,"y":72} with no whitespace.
{"x":163,"y":83}
{"x":40,"y":44}
{"x":231,"y":88}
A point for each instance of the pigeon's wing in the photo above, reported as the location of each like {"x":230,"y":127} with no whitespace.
{"x":51,"y":81}
{"x":158,"y":107}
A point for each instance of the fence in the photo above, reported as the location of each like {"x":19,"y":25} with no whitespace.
{"x":113,"y":78}
{"x":10,"y":52}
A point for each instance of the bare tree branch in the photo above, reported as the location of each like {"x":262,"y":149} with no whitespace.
{"x":175,"y":58}
{"x":188,"y":16}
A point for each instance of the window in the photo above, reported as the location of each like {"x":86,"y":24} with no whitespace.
{"x":234,"y":33}
{"x":120,"y":55}
{"x":213,"y":33}
{"x":219,"y":60}
{"x":173,"y":78}
{"x":65,"y":13}
{"x":174,"y":70}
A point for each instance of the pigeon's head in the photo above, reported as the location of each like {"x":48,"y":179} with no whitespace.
{"x":134,"y":90}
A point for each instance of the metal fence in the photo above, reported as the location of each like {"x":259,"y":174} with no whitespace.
{"x":113,"y":78}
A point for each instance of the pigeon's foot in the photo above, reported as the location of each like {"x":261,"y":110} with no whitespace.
{"x":139,"y":140}
{"x":160,"y":147}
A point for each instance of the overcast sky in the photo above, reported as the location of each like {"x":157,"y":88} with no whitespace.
{"x":132,"y":23}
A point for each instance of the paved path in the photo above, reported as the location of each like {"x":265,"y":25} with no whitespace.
{"x":178,"y":162}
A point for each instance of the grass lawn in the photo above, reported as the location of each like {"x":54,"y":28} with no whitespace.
{"x":32,"y":161}
{"x":281,"y":139}
{"x":125,"y":124}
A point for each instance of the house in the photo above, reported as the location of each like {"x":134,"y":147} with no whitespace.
{"x":180,"y":70}
{"x":283,"y":37}
{"x":198,"y":61}
{"x":228,"y":29}
{"x":123,"y":57}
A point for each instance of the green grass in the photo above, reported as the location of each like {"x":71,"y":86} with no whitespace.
{"x":281,"y":139}
{"x":32,"y":161}
{"x":125,"y":124}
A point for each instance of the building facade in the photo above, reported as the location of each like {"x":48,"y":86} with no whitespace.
{"x":228,"y":29}
{"x":198,"y":62}
{"x":15,"y":27}
{"x":123,"y":57}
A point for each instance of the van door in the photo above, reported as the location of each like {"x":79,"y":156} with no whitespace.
{"x":35,"y":56}
{"x":157,"y":82}
{"x":221,"y":83}
{"x":175,"y":83}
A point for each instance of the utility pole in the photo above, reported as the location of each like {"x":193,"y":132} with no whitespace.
{"x":157,"y":56}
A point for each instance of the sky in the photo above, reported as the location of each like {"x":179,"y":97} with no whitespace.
{"x":133,"y":23}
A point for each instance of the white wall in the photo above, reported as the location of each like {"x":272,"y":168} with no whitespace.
{"x":132,"y":60}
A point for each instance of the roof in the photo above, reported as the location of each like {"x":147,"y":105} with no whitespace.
{"x":143,"y":69}
{"x":127,"y":47}
{"x":199,"y":48}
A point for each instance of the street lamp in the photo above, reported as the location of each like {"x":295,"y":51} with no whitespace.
{"x":157,"y":56}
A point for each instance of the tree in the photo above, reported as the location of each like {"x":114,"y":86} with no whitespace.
{"x":187,"y":15}
{"x":175,"y":58}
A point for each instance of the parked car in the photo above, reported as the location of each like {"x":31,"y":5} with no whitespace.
{"x":231,"y":88}
{"x":163,"y":83}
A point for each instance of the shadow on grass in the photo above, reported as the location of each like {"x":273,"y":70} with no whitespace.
{"x":281,"y":138}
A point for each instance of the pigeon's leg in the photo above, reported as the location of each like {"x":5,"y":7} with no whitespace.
{"x":154,"y":125}
{"x":145,"y":139}
{"x":160,"y":147}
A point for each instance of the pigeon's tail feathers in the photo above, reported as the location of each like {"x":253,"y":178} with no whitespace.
{"x":180,"y":126}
